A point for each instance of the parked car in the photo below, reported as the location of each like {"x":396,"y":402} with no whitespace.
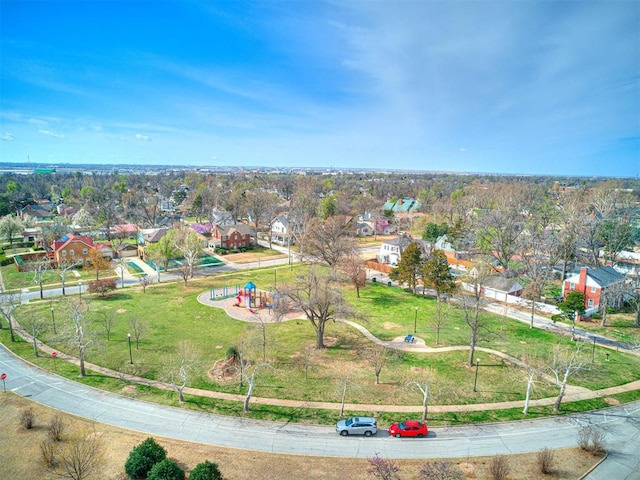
{"x":410,"y":428}
{"x":366,"y":426}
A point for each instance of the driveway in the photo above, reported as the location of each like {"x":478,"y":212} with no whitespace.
{"x":622,"y":425}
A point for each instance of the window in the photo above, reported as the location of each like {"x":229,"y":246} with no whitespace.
{"x":84,"y":251}
{"x":590,"y":302}
{"x":572,"y":286}
{"x":64,"y":253}
{"x":72,"y":252}
{"x":593,"y":289}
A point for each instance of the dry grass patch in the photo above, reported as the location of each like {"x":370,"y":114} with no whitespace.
{"x":20,"y":456}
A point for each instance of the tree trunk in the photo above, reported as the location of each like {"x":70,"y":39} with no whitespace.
{"x":528,"y":395}
{"x":83,"y":372}
{"x":320,"y":335}
{"x":181,"y":395}
{"x":245,"y":407}
{"x":425,"y":403}
{"x":556,"y":406}
{"x":35,"y":346}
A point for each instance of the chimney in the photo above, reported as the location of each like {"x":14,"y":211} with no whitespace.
{"x":583,"y":277}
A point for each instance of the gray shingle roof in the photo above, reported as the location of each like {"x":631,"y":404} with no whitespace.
{"x":605,"y":276}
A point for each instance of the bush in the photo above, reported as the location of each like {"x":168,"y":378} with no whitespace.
{"x":102,"y":287}
{"x":206,"y":471}
{"x":167,"y":469}
{"x":27,"y":418}
{"x":440,"y":471}
{"x":143,"y":457}
{"x":55,"y":428}
{"x":499,"y":468}
{"x":48,"y":452}
{"x":545,"y":460}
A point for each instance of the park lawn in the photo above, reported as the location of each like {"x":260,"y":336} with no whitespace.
{"x":15,"y":281}
{"x":171,"y":314}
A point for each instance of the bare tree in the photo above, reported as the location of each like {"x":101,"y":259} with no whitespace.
{"x":250,"y":374}
{"x":318,"y":296}
{"x":81,"y":458}
{"x":346,"y":382}
{"x":39,"y":268}
{"x":565,"y":363}
{"x":353,"y":268}
{"x":138,"y":326}
{"x":34,"y":326}
{"x":329,"y":241}
{"x":437,"y":275}
{"x":80,"y":337}
{"x":9,"y":303}
{"x":424,"y":387}
{"x":377,"y":355}
{"x":190,"y":246}
{"x":106,"y":319}
{"x":180,"y":366}
{"x":472,"y":307}
{"x":144,"y":282}
{"x":65,"y":266}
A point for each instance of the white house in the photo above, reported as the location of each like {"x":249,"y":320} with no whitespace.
{"x":281,"y":231}
{"x":391,"y":251}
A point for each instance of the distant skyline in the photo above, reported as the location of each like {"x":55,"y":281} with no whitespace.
{"x":511,"y":86}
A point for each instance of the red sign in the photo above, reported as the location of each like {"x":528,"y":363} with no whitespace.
{"x":54,"y":354}
{"x":3,"y":376}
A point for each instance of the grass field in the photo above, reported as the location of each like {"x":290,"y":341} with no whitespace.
{"x":170,"y":313}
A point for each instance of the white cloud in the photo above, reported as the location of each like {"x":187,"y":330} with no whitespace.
{"x":142,"y":137}
{"x":7,"y":137}
{"x":51,"y":134}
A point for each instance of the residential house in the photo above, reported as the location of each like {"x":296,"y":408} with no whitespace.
{"x":497,"y":287}
{"x":221,"y":217}
{"x":148,"y":236}
{"x":39,"y":211}
{"x":628,"y":263}
{"x":379,"y":223}
{"x":282,"y":231}
{"x":233,"y":237}
{"x":596,"y":284}
{"x":126,"y":230}
{"x":402,"y":205}
{"x":364,"y":229}
{"x":126,"y":250}
{"x":391,"y":250}
{"x":75,"y":249}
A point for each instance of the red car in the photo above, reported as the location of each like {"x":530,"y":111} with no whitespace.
{"x":410,"y":428}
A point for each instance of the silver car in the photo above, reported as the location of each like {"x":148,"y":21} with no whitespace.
{"x":366,"y":426}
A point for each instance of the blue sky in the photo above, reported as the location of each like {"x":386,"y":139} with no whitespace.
{"x":511,"y":86}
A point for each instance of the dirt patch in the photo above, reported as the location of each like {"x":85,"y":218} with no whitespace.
{"x":390,"y":325}
{"x":612,"y":401}
{"x":121,"y":310}
{"x":17,"y":444}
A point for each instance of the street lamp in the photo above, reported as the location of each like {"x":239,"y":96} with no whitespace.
{"x":53,"y":320}
{"x":475,"y":381}
{"x":130,"y":353}
{"x":415,"y":320}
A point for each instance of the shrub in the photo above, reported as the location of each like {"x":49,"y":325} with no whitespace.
{"x":598,"y":442}
{"x":499,"y":468}
{"x":48,"y":452}
{"x":55,"y":428}
{"x":166,"y":469}
{"x":27,"y":418}
{"x":206,"y":471}
{"x":382,"y":468}
{"x":143,"y":457}
{"x":440,"y":471}
{"x":102,"y":287}
{"x":545,"y":460}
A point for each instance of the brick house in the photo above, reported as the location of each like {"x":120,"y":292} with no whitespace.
{"x":232,"y":237}
{"x":595,"y":284}
{"x":75,"y":249}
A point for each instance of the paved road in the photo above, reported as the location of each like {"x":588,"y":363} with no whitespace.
{"x":621,"y":423}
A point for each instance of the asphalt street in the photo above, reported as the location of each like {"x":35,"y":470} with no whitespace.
{"x":622,"y":425}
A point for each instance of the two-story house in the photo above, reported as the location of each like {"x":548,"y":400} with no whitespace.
{"x":595,"y":284}
{"x":233,"y":237}
{"x":282,"y":231}
{"x":75,"y":249}
{"x":391,"y":250}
